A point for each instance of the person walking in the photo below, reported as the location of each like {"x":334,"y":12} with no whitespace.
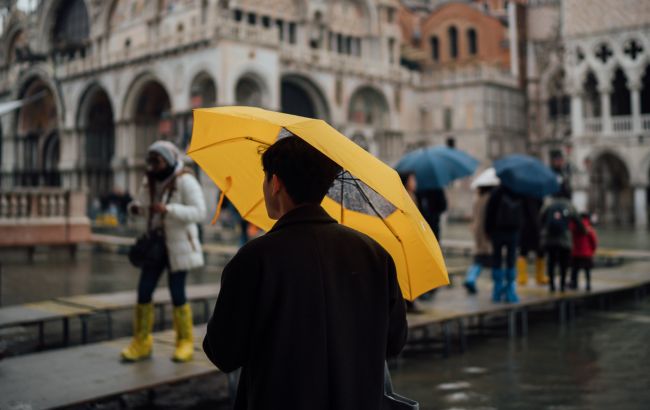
{"x":172,"y":201}
{"x":529,"y":241}
{"x":556,"y":236}
{"x":310,"y":310}
{"x":503,"y":221}
{"x":482,"y":243}
{"x":584,"y":246}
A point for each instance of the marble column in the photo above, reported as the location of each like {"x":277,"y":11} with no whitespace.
{"x":635,"y":97}
{"x":641,"y":206}
{"x":577,"y":116}
{"x":605,"y":109}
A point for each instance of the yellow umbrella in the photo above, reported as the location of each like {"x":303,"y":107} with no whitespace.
{"x":227,"y":142}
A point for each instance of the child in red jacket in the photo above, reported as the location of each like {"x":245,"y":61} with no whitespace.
{"x":584,"y":247}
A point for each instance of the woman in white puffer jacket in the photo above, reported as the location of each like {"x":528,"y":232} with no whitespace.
{"x":172,"y":201}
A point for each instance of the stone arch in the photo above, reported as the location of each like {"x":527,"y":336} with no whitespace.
{"x":203,"y":90}
{"x":37,"y":128}
{"x":591,"y":95}
{"x":611,"y":193}
{"x":50,"y":19}
{"x":620,"y":96}
{"x":96,"y":125}
{"x":301,"y":96}
{"x":645,"y":90}
{"x":148,"y":107}
{"x":369,"y":106}
{"x":251,"y":89}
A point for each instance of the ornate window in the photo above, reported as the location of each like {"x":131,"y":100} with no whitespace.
{"x":71,"y":28}
{"x":472,"y":43}
{"x":452,"y":32}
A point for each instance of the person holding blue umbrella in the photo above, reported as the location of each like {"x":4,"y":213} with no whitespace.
{"x":520,"y":176}
{"x":435,"y":167}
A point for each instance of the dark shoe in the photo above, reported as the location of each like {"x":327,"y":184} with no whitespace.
{"x":471,"y":287}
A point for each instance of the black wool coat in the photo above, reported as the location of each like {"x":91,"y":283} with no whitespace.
{"x":309,"y":311}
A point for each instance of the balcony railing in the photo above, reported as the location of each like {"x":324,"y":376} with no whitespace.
{"x":43,"y":216}
{"x":594,"y":125}
{"x":645,"y":122}
{"x":621,"y":125}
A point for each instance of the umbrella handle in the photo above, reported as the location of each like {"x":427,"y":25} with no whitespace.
{"x":217,"y":212}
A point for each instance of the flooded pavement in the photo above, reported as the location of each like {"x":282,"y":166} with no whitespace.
{"x":600,"y":361}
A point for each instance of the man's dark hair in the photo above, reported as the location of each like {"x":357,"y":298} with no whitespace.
{"x":306,"y":173}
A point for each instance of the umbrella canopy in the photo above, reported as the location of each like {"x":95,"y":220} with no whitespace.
{"x":486,"y":178}
{"x":526,"y":175}
{"x":436,"y":167}
{"x":367,"y":196}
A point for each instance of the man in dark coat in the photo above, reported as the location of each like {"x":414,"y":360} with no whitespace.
{"x":310,"y":310}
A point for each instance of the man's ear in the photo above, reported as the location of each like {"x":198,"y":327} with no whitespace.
{"x":276,"y":184}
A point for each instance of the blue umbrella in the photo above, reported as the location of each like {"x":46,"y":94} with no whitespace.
{"x":436,"y":167}
{"x":526,"y":175}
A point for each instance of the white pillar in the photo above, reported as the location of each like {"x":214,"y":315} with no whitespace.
{"x":640,"y":207}
{"x":577,"y":117}
{"x":605,"y":110}
{"x":635,"y":96}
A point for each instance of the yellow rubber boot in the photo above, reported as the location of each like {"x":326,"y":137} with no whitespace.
{"x":184,"y":339}
{"x":540,"y":272}
{"x":142,"y":342}
{"x":522,"y":270}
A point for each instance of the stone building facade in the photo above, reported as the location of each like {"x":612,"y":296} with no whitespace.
{"x":589,"y":95}
{"x":100,"y":80}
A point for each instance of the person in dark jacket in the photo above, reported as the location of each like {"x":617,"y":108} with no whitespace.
{"x":432,"y":204}
{"x":503,"y":219}
{"x":556,"y":217}
{"x":310,"y":310}
{"x":529,"y":241}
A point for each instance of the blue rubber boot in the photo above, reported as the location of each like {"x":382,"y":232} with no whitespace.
{"x":509,"y":290}
{"x":470,"y":278}
{"x":497,"y":279}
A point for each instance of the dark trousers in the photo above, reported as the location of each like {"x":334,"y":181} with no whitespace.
{"x":501,"y":240}
{"x":578,"y":263}
{"x":149,"y":277}
{"x":557,"y":256}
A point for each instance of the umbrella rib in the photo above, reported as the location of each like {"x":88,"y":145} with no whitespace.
{"x":252,"y":208}
{"x":228,"y":141}
{"x":390,"y":228}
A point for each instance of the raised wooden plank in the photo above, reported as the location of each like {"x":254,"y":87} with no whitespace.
{"x":127,"y":299}
{"x":38,"y":312}
{"x":90,"y":373}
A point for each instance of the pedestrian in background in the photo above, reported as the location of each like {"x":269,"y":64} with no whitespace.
{"x":172,"y":201}
{"x":310,"y":310}
{"x":585,"y":242}
{"x":556,"y":236}
{"x":503,"y":220}
{"x":529,"y":241}
{"x":484,"y":185}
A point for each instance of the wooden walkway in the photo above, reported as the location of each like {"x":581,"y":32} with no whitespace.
{"x":86,"y":307}
{"x":90,"y":373}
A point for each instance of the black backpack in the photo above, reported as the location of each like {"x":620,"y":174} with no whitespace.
{"x":509,"y":213}
{"x":557,"y":219}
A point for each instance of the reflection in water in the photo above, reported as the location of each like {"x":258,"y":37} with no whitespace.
{"x":598,"y":362}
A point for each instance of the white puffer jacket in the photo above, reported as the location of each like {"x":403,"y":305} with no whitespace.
{"x":185,"y":208}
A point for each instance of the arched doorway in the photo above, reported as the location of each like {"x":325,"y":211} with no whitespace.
{"x":249,"y":91}
{"x":71,"y":29}
{"x":645,"y":91}
{"x":203,"y":93}
{"x":620,"y":97}
{"x":37,"y":142}
{"x":96,"y":122}
{"x":152,"y":116}
{"x":300,"y":96}
{"x":611,"y":194}
{"x":591,"y":96}
{"x":369,"y":107}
